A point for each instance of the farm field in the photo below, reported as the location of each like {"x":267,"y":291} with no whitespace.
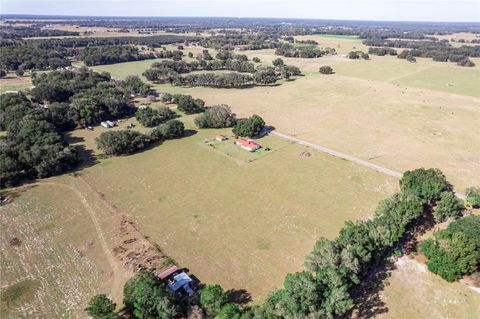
{"x":241,"y":225}
{"x":51,"y":253}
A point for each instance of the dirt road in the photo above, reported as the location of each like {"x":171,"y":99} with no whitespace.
{"x":347,"y":157}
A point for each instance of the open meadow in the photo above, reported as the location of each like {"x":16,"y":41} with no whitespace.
{"x":388,"y":111}
{"x":242,"y":224}
{"x":245,"y":220}
{"x":54,"y":251}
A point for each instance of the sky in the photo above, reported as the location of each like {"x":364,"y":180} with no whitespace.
{"x":386,"y":10}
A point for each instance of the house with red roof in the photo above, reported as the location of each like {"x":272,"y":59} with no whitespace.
{"x":248,"y":145}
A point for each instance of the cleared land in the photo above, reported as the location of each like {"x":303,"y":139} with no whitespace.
{"x":398,"y":114}
{"x":15,"y":83}
{"x":414,"y":292}
{"x":245,"y":224}
{"x":241,"y":225}
{"x":52,"y":255}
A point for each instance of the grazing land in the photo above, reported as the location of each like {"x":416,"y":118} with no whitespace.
{"x":240,"y":219}
{"x":51,"y":253}
{"x":241,"y":225}
{"x":379,"y":110}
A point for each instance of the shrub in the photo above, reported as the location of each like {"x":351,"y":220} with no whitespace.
{"x":122,"y":142}
{"x":278,"y":62}
{"x":249,"y":127}
{"x":473,"y":196}
{"x":451,"y":255}
{"x":448,"y":206}
{"x":217,"y":116}
{"x":326,"y":70}
{"x":256,"y":60}
{"x":101,"y":307}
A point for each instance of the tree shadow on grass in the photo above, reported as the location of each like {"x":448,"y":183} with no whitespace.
{"x":189,"y":133}
{"x":367,"y":297}
{"x":239,"y":296}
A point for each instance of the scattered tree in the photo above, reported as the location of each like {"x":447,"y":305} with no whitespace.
{"x":169,"y":130}
{"x":326,"y":69}
{"x":217,"y":116}
{"x":101,"y":307}
{"x":187,"y":104}
{"x":149,"y":117}
{"x":122,"y":142}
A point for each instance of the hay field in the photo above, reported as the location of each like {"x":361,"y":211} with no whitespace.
{"x":243,"y":225}
{"x":51,"y":256}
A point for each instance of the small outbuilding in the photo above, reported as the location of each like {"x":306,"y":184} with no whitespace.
{"x":105,"y":125}
{"x":221,"y":138}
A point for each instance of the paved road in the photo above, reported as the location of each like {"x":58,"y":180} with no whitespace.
{"x":350,"y":158}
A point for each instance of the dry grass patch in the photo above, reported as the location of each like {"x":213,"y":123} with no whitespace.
{"x":51,"y":259}
{"x":414,"y":292}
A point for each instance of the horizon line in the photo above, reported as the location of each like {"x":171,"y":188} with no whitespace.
{"x":2,"y":16}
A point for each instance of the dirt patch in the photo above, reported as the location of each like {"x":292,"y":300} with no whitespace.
{"x":16,"y":242}
{"x":136,"y":251}
{"x":17,"y":294}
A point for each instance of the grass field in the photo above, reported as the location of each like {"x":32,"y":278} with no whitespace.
{"x":414,"y":292}
{"x":14,"y":83}
{"x":244,"y":220}
{"x":51,"y":258}
{"x":243,"y":225}
{"x":337,"y":36}
{"x":386,"y":110}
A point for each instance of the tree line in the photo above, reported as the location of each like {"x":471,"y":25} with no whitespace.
{"x":18,"y":32}
{"x":171,"y":72}
{"x":440,"y":51}
{"x":112,"y":54}
{"x":303,"y":51}
{"x":28,"y":57}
